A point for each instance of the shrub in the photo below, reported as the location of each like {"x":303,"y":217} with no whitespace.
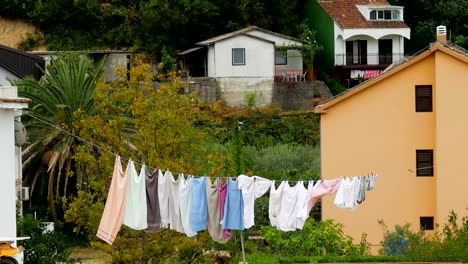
{"x":44,"y":247}
{"x":448,"y":245}
{"x":316,"y":239}
{"x":284,"y":160}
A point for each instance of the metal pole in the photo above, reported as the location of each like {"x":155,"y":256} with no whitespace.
{"x":242,"y":245}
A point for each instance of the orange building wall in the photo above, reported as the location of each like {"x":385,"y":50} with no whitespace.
{"x":451,"y":136}
{"x":378,"y":130}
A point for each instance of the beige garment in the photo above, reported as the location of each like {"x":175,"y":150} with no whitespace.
{"x":214,"y":211}
{"x":113,"y":214}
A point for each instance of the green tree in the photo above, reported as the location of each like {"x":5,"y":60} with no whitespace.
{"x":423,"y":16}
{"x":61,"y":97}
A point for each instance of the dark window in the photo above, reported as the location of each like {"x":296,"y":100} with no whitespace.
{"x":426,"y":222}
{"x":373,"y":15}
{"x":238,"y":56}
{"x":380,"y":15}
{"x":388,"y":14}
{"x":385,"y":51}
{"x":281,"y":57}
{"x":356,"y":52}
{"x":424,"y":162}
{"x":423,"y":98}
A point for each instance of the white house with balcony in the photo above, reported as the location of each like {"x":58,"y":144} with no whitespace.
{"x":360,"y":37}
{"x":245,"y":61}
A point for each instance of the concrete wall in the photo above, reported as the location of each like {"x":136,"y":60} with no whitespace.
{"x":288,"y":96}
{"x":378,"y":130}
{"x":259,"y":58}
{"x":113,"y":61}
{"x":234,"y":90}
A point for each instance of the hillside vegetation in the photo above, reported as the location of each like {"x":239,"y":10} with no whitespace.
{"x":151,"y":25}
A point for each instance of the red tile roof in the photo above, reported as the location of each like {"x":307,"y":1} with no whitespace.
{"x":346,"y":14}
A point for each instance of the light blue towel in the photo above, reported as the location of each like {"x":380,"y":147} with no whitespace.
{"x":198,"y":205}
{"x":234,"y":207}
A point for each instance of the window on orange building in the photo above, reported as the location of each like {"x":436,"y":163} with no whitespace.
{"x":425,"y":162}
{"x":426,"y":222}
{"x":423,"y":98}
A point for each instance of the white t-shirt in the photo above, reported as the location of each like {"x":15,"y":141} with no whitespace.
{"x":252,"y":188}
{"x":274,"y":204}
{"x":135,"y":215}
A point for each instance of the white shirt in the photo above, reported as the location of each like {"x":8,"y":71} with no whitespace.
{"x":135,"y":209}
{"x":252,"y":188}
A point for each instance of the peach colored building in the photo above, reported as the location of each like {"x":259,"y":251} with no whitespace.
{"x":410,"y":125}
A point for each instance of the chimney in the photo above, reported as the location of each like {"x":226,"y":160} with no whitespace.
{"x":442,"y":34}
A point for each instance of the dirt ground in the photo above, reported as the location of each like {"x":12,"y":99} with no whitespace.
{"x":90,"y":256}
{"x":12,"y":32}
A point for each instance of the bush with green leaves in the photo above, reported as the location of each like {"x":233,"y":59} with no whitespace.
{"x":44,"y":247}
{"x":316,"y":239}
{"x":450,"y":244}
{"x":290,"y":161}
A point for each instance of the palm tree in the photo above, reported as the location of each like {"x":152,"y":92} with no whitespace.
{"x":65,"y":92}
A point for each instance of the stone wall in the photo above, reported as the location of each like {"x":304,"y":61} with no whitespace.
{"x":289,"y":96}
{"x":300,"y":95}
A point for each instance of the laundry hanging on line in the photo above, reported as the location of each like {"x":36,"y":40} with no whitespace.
{"x":154,"y":201}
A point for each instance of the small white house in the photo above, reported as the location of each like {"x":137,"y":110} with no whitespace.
{"x":243,"y":61}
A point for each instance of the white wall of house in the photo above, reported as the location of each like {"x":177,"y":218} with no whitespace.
{"x":376,"y":33}
{"x":294,"y":61}
{"x":372,"y":48}
{"x":8,"y":162}
{"x":259,"y":58}
{"x":5,"y":75}
{"x":211,"y":61}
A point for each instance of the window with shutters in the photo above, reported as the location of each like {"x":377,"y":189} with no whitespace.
{"x":425,"y":162}
{"x":238,"y":56}
{"x":426,"y":222}
{"x":423,"y":98}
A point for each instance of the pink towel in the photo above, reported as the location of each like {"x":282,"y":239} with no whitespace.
{"x":113,"y":214}
{"x":222,"y":197}
{"x":326,"y":187}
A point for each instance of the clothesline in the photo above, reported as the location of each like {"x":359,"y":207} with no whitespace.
{"x":141,"y":164}
{"x":117,"y":154}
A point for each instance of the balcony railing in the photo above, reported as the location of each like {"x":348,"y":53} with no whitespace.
{"x":367,"y":59}
{"x":293,"y":76}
